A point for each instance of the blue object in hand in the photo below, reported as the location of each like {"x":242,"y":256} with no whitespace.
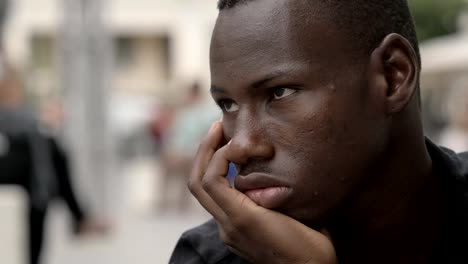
{"x":232,"y":173}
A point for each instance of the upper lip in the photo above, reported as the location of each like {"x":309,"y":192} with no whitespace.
{"x":254,"y":181}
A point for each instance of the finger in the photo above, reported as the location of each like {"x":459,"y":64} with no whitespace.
{"x":217,"y":186}
{"x":202,"y":159}
{"x":206,"y":150}
{"x":229,"y":243}
{"x":326,"y":233}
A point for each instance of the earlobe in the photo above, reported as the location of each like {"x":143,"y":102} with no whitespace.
{"x":400,"y":68}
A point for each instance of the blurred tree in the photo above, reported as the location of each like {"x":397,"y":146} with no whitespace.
{"x":436,"y":17}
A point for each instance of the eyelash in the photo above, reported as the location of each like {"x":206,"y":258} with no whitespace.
{"x":221,"y":103}
{"x":271,"y":93}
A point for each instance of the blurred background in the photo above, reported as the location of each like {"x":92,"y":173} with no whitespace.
{"x":117,"y":92}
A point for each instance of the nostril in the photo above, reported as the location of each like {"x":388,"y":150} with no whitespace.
{"x":247,"y":145}
{"x":254,"y":165}
{"x":237,"y":167}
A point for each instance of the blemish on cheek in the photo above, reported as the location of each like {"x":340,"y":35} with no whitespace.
{"x":332,"y":87}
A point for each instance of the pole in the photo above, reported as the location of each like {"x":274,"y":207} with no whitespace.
{"x":86,"y":61}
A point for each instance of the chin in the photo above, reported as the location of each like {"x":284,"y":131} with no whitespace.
{"x":311,"y":218}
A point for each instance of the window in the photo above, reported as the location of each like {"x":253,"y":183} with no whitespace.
{"x":42,"y":51}
{"x":124,"y":51}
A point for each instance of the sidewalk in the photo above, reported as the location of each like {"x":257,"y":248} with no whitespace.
{"x":139,"y":235}
{"x":136,"y":240}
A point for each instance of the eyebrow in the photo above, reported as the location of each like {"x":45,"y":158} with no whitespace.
{"x":217,"y":89}
{"x":268,"y":78}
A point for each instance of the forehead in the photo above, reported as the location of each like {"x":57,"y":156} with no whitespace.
{"x":246,"y":25}
{"x":264,"y":35}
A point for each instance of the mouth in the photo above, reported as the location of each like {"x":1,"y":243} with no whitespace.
{"x":264,"y":189}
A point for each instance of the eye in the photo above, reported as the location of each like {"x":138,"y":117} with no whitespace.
{"x":279,"y":93}
{"x":228,"y":106}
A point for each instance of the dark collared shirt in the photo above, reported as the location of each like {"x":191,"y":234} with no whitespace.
{"x":202,"y":244}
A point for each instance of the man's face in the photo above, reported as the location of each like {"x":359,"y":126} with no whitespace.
{"x":296,"y":103}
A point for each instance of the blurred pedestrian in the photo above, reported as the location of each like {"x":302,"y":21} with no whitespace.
{"x":188,"y":125}
{"x":159,"y":125}
{"x":34,"y":160}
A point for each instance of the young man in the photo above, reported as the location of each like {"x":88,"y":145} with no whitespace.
{"x":322,"y":118}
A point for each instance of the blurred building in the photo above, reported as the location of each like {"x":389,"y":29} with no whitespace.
{"x":444,"y":75}
{"x":157,"y":47}
{"x":157,"y":44}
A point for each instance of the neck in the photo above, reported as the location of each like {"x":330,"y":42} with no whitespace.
{"x":396,"y":215}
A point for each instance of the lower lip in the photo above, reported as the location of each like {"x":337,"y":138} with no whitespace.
{"x":270,"y":198}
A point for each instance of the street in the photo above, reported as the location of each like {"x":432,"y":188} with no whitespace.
{"x":140,"y":234}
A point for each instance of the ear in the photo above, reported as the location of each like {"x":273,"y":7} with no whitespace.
{"x":396,"y":63}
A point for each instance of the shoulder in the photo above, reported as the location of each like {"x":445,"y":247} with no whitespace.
{"x":464,"y":163}
{"x":455,"y":172}
{"x":202,"y":245}
{"x":454,"y":166}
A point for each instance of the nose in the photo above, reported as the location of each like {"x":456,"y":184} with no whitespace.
{"x":250,"y":141}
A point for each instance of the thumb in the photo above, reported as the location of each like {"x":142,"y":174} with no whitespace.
{"x":326,"y":233}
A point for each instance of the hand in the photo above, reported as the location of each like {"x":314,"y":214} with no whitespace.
{"x":255,"y":233}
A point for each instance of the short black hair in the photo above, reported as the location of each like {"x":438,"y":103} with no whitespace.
{"x":369,"y":20}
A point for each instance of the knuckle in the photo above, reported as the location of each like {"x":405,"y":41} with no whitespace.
{"x":207,"y":184}
{"x":192,"y":176}
{"x":221,"y":153}
{"x":242,"y":221}
{"x":229,"y":233}
{"x":223,"y":237}
{"x":192,"y":185}
{"x":239,"y":221}
{"x":200,"y":147}
{"x":204,"y":144}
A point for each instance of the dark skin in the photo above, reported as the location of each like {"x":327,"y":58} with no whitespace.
{"x":330,"y":148}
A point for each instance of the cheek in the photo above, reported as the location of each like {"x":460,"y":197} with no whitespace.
{"x":324,"y":140}
{"x":307,"y":131}
{"x":308,"y":145}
